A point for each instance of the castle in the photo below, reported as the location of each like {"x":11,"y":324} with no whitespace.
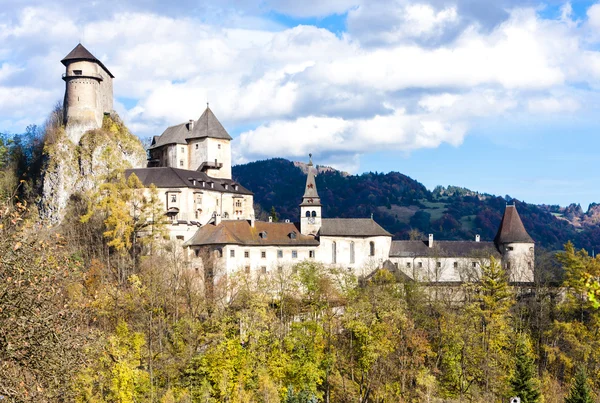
{"x":88,"y":92}
{"x":212,"y":216}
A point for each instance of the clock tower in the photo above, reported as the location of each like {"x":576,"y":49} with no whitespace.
{"x":310,"y":208}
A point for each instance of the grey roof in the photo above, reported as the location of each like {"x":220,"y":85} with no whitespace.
{"x":351,"y":227}
{"x":240,"y":232}
{"x":511,"y":228}
{"x":310,"y":191}
{"x":78,"y":53}
{"x":206,"y":126}
{"x":443,"y":249}
{"x":167,"y":177}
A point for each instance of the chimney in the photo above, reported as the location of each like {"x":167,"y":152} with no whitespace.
{"x":270,"y":218}
{"x":191,"y":125}
{"x":431,"y":240}
{"x":217,"y":218}
{"x":252,"y":220}
{"x":477,"y":238}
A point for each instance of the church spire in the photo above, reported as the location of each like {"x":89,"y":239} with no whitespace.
{"x":311,"y":197}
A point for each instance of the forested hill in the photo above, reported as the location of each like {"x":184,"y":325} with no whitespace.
{"x":401,"y":204}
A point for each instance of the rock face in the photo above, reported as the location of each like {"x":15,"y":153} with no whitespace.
{"x":77,"y":168}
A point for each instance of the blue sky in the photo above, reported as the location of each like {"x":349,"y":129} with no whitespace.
{"x":501,"y":97}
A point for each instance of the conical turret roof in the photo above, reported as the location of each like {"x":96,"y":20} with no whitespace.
{"x":79,"y":52}
{"x":511,"y":228}
{"x":209,"y":126}
{"x":311,"y":197}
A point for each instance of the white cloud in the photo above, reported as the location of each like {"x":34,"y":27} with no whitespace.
{"x":553,"y":105}
{"x":593,"y":14}
{"x":396,"y":80}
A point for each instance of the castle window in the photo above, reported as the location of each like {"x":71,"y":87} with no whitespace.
{"x":507,"y":265}
{"x":314,"y":213}
{"x":226,"y":215}
{"x":294,"y":254}
{"x":179,"y":237}
{"x":456,"y":265}
{"x":439,"y":264}
{"x":232,"y":253}
{"x":352,"y":252}
{"x":334,"y":252}
{"x":474,"y":264}
{"x":408,"y":265}
{"x":420,"y":265}
{"x":279,"y":253}
{"x":509,"y":248}
{"x":173,"y":198}
{"x":247,"y":269}
{"x":219,"y":146}
{"x":279,"y":269}
{"x":263,"y":254}
{"x":238,"y":203}
{"x":308,"y":213}
{"x":197,"y":214}
{"x":263,"y":269}
{"x":247,"y":254}
{"x":180,"y":163}
{"x":182,"y":149}
{"x":219,"y":253}
{"x":78,"y":72}
{"x":371,"y":248}
{"x":311,"y":254}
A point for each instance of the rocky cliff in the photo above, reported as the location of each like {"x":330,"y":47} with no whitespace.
{"x":76,"y":168}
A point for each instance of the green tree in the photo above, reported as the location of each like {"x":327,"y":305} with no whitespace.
{"x":523,"y":381}
{"x":580,"y":390}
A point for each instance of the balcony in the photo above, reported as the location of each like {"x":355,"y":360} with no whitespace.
{"x":93,"y":76}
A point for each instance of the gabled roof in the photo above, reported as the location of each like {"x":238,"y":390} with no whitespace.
{"x":511,"y":228}
{"x":240,"y":232}
{"x":441,"y":249}
{"x":173,"y":178}
{"x":351,"y":227}
{"x":78,"y":53}
{"x":207,"y":126}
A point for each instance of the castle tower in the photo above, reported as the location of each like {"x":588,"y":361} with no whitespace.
{"x":310,"y":208}
{"x":516,"y":246}
{"x":88,"y":92}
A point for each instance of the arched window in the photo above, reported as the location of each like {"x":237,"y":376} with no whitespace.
{"x":352,"y":252}
{"x":314,"y":213}
{"x":308,"y":213}
{"x":333,"y":253}
{"x":371,"y":248}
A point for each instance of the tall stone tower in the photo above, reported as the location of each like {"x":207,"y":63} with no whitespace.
{"x":88,"y":92}
{"x":516,"y":247}
{"x":310,"y":208}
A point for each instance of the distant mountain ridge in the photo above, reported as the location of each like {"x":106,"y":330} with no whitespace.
{"x":401,"y":204}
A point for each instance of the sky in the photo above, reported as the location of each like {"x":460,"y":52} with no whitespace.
{"x":500,"y":97}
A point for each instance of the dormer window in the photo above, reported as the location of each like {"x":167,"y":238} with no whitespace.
{"x":212,"y":185}
{"x":263,"y":234}
{"x":226,"y":186}
{"x":292,"y":235}
{"x":235,"y":187}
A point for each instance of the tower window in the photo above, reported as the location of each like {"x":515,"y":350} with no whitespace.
{"x":180,"y":163}
{"x":308,"y":213}
{"x":314,"y":213}
{"x":352,"y":252}
{"x":371,"y":248}
{"x":196,"y":146}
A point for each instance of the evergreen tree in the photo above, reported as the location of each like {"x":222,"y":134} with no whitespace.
{"x":523,"y":381}
{"x":580,"y":390}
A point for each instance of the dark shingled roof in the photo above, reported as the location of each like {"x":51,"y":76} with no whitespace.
{"x":443,"y":249}
{"x":167,"y":177}
{"x":511,"y":228}
{"x":206,"y":126}
{"x":240,"y":232}
{"x":351,"y":227}
{"x":78,"y":53}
